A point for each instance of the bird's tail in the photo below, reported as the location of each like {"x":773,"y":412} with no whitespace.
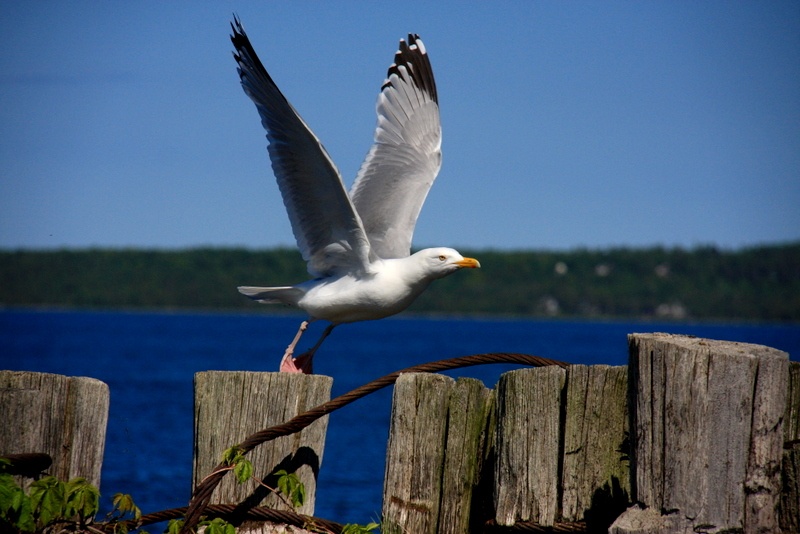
{"x":272,"y":295}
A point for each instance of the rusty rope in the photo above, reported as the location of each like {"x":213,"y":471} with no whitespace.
{"x":228,"y":512}
{"x":203,"y":491}
{"x":524,"y":526}
{"x":260,"y":513}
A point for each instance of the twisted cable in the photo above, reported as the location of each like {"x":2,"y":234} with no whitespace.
{"x":226,"y":511}
{"x":202,"y":493}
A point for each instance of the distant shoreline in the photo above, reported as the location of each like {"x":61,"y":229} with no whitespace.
{"x":751,"y":285}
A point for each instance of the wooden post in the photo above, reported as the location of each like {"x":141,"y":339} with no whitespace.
{"x":470,"y":437}
{"x":415,"y":453}
{"x":596,"y":470}
{"x":435,"y":453}
{"x":790,"y":491}
{"x":706,"y":425}
{"x":61,"y":416}
{"x":229,"y":406}
{"x":528,"y":444}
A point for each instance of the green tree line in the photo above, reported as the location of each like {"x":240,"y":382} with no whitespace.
{"x":758,"y":283}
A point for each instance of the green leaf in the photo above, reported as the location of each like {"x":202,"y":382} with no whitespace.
{"x":290,"y":485}
{"x":299,"y":495}
{"x":243,"y":470}
{"x":124,"y":503}
{"x":174,"y":526}
{"x":232,"y":456}
{"x":48,"y":499}
{"x":82,"y":499}
{"x":359,"y":529}
{"x":15,"y":506}
{"x":8,"y":488}
{"x":218,"y":526}
{"x":24,"y":515}
{"x":242,"y":467}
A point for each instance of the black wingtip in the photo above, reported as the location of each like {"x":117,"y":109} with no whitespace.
{"x":244,"y":53}
{"x":238,"y":34}
{"x":412,"y":55}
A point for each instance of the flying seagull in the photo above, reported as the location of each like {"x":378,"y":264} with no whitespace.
{"x":357,"y":245}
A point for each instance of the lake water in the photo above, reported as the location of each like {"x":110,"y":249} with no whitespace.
{"x":149,"y":360}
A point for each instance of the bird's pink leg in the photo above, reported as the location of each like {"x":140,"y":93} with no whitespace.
{"x":287,"y":362}
{"x":303,"y":363}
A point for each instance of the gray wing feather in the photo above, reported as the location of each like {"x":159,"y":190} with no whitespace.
{"x":402,"y":164}
{"x":325,"y":224}
{"x":272,"y":295}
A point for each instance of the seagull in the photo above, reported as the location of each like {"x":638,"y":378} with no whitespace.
{"x":357,"y":245}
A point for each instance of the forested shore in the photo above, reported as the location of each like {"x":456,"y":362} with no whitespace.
{"x":758,"y":283}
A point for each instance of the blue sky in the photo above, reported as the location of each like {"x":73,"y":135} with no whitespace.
{"x":579,"y":124}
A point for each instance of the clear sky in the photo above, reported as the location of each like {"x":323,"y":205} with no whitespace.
{"x":566,"y":124}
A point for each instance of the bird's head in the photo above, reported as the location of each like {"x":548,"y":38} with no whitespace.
{"x":439,"y":262}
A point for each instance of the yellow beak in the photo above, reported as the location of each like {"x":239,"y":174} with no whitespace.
{"x":470,"y":263}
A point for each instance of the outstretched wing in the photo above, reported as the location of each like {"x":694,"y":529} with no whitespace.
{"x":326,"y":226}
{"x":399,"y":169}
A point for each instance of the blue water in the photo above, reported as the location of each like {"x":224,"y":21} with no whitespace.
{"x":149,"y":359}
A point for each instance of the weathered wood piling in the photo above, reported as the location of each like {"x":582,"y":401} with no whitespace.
{"x":60,"y":416}
{"x":231,"y":405}
{"x":595,"y":453}
{"x":790,"y":471}
{"x":707,"y":435}
{"x":435,"y":453}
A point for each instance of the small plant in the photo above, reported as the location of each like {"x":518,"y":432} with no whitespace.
{"x":290,"y":489}
{"x":124,"y":509}
{"x":234,"y":459}
{"x":350,"y":528}
{"x":218,"y":526}
{"x":359,"y":529}
{"x":50,"y":502}
{"x":82,"y":499}
{"x":15,"y":506}
{"x":290,"y":485}
{"x":174,"y":526}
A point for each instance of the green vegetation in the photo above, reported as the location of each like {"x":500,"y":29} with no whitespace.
{"x":52,"y":505}
{"x":760,"y":283}
{"x":290,"y":490}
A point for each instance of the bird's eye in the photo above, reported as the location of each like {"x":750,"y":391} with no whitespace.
{"x":442,"y":257}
